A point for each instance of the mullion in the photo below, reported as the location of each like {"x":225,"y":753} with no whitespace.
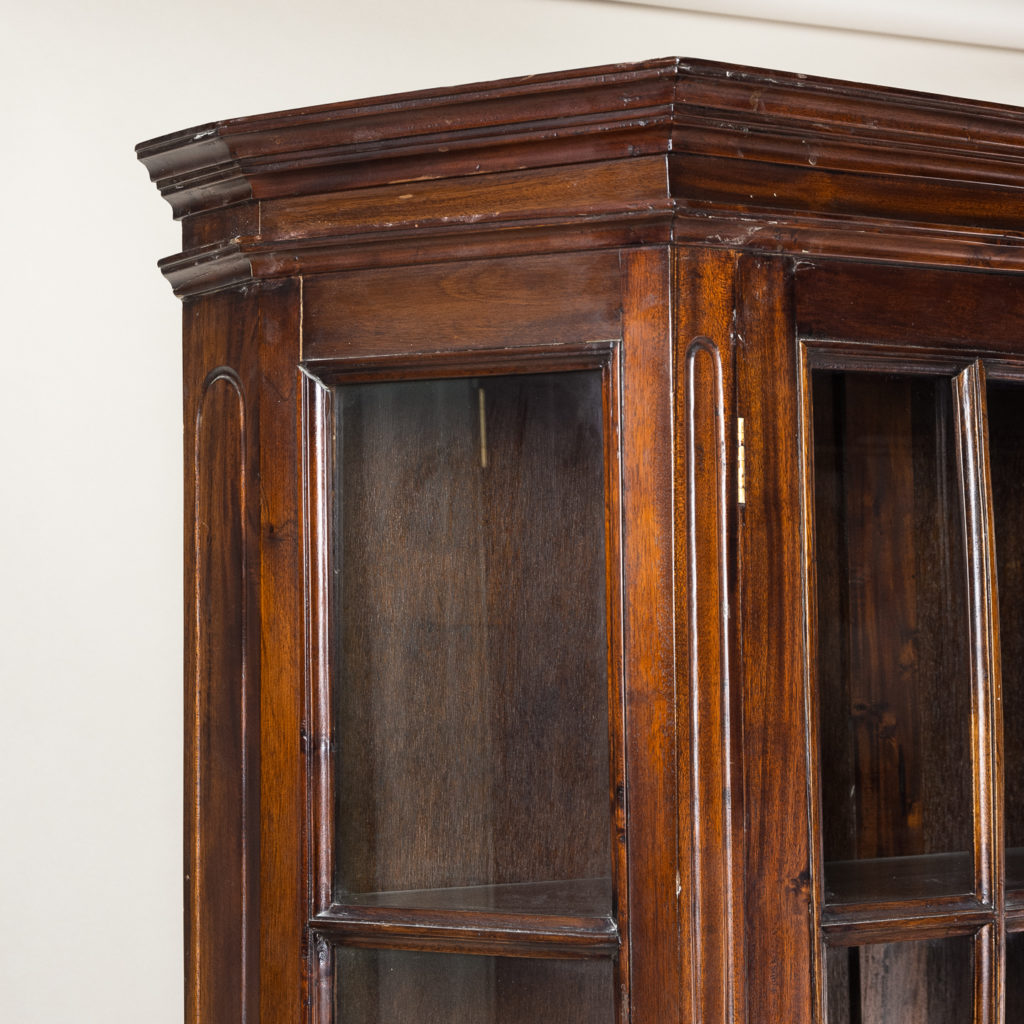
{"x":986,"y":736}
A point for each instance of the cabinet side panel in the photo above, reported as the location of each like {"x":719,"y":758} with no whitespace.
{"x":655,"y":883}
{"x":220,"y":790}
{"x":777,"y":922}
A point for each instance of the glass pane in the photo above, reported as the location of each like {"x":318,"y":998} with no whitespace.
{"x":1006,"y":461}
{"x":928,"y":982}
{"x":400,"y":987}
{"x":471,"y":702}
{"x":893,"y":668}
{"x":1014,"y":977}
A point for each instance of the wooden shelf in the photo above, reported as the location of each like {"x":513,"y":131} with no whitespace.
{"x":576,"y":897}
{"x":892,"y":898}
{"x":571,"y":918}
{"x":885,"y":880}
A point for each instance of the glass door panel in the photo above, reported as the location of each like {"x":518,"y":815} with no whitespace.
{"x":471,"y":682}
{"x":401,"y":987}
{"x":1006,"y":469}
{"x":1014,"y":975}
{"x":894,"y":682}
{"x":923,"y":982}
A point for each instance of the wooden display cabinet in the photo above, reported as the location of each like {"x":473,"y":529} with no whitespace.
{"x":605,"y":572}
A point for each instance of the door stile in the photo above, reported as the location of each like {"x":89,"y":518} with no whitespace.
{"x":986,"y":686}
{"x":809,"y":563}
{"x":660,"y":890}
{"x":777,"y":854}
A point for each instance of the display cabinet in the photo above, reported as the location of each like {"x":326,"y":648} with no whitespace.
{"x":604,"y":566}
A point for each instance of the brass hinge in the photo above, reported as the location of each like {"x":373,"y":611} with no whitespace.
{"x":483,"y":427}
{"x":741,"y":464}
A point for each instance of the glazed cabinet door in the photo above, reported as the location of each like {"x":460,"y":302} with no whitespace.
{"x":912,"y":418}
{"x":473,"y":591}
{"x":466,"y":801}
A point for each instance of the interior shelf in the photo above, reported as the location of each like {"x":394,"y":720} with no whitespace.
{"x":576,"y":897}
{"x":573,"y":917}
{"x":898,"y":879}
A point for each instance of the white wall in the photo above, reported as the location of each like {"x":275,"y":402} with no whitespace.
{"x":90,"y":501}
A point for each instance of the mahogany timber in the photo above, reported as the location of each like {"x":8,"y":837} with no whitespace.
{"x":706,"y":238}
{"x":670,"y":149}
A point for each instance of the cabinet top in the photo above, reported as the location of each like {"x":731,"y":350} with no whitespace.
{"x":669,"y":149}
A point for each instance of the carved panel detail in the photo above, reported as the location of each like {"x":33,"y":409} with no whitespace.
{"x":218,"y":884}
{"x":707,"y":600}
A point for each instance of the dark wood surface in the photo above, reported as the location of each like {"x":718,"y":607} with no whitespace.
{"x":706,"y":559}
{"x":659,"y":943}
{"x":285,"y":660}
{"x":910,"y":315}
{"x":598,"y":158}
{"x":633,"y":803}
{"x":496,"y":304}
{"x":777,"y":852}
{"x":222,"y":665}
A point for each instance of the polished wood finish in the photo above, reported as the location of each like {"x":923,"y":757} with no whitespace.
{"x":492,"y":304}
{"x":706,"y":560}
{"x":777,"y":850}
{"x":733,"y":260}
{"x":222,"y":631}
{"x":659,"y":947}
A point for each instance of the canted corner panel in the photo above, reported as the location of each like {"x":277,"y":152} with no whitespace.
{"x":704,"y":450}
{"x":218,"y":885}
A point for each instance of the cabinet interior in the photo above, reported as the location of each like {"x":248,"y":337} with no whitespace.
{"x":920,"y":824}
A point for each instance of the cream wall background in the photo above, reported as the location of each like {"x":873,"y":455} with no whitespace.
{"x":90,"y":500}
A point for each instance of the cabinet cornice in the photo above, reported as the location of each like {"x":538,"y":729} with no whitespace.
{"x":605,"y":157}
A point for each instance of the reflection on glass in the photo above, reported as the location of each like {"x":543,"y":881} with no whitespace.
{"x":929,"y":982}
{"x":400,"y":987}
{"x":470,"y":696}
{"x":893,"y":669}
{"x":1006,"y":461}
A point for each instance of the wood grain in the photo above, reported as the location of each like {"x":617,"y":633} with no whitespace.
{"x":627,"y":788}
{"x":706,"y":498}
{"x":503,"y":304}
{"x":936,"y":313}
{"x":660,"y":885}
{"x":284,"y":724}
{"x":775,"y":757}
{"x":598,"y":158}
{"x":221,"y":662}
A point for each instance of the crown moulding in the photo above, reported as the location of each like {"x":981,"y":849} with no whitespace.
{"x":666,"y":150}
